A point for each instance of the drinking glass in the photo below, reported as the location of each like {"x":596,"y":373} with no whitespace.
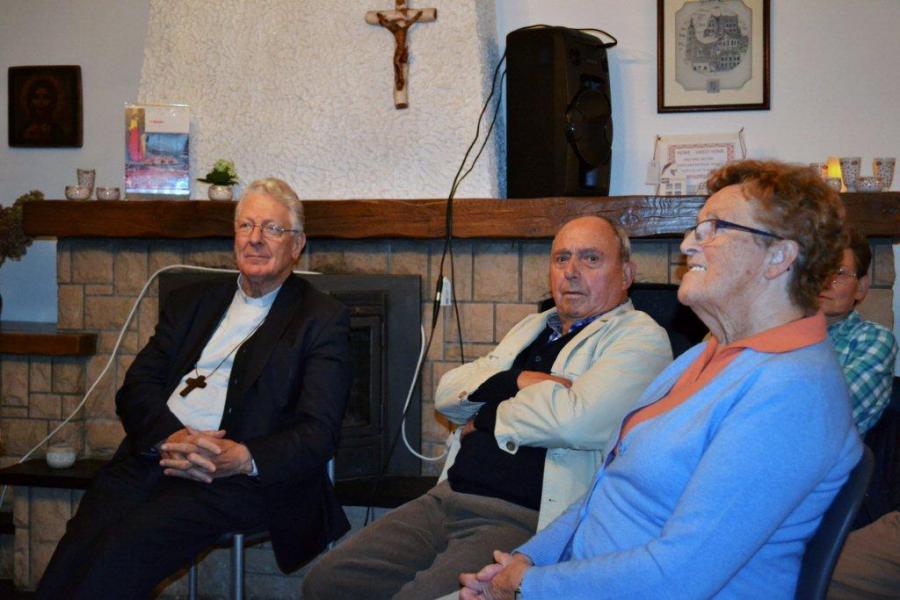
{"x":883,"y":168}
{"x":850,"y":171}
{"x":86,"y":177}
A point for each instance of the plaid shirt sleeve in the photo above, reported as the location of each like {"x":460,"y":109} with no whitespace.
{"x":867,"y":356}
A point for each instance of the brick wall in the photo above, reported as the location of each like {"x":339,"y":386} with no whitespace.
{"x":497,"y":283}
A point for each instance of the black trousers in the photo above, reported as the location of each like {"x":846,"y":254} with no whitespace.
{"x":136,"y":526}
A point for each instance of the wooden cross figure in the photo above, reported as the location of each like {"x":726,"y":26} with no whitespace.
{"x":398,"y":22}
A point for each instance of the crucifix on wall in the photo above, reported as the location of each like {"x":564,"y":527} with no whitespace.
{"x":398,"y":22}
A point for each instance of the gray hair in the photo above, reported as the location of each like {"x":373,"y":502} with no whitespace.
{"x":280,"y":192}
{"x":624,"y":241}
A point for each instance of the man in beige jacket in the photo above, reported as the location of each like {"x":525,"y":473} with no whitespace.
{"x":534,"y":420}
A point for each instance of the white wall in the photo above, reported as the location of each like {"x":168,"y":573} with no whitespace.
{"x":105,"y":37}
{"x":306,"y":95}
{"x":833,"y":92}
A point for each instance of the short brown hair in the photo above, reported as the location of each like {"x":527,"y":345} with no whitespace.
{"x":862,"y":253}
{"x":793,"y":202}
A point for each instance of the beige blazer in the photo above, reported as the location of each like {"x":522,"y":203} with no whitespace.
{"x":609,"y":362}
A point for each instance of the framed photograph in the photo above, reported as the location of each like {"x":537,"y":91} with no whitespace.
{"x":712,"y":55}
{"x":45,"y":107}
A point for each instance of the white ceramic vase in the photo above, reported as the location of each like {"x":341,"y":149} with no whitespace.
{"x":220,"y":192}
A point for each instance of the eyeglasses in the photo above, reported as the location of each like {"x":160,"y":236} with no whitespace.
{"x":707,"y":229}
{"x":843,"y":277}
{"x":270,"y":231}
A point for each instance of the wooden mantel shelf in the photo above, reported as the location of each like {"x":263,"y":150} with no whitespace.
{"x":44,"y":339}
{"x":876,"y":214}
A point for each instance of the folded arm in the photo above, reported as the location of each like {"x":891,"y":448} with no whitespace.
{"x":583,"y":416}
{"x":454,"y":397}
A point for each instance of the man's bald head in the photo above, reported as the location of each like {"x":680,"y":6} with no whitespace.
{"x":590,"y":268}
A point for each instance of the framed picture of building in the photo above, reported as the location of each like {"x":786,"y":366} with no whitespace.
{"x":45,"y":106}
{"x":712,"y":55}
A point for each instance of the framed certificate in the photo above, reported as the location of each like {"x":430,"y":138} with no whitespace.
{"x":685,"y":161}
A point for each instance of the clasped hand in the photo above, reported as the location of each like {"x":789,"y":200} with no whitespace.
{"x":203,"y":455}
{"x":497,"y":581}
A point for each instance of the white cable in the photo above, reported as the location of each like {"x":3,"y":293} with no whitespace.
{"x":118,"y":343}
{"x":112,"y":356}
{"x":405,"y":404}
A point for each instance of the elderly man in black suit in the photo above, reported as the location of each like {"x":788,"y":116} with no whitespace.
{"x":231,"y":413}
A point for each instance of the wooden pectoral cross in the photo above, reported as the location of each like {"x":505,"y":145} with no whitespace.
{"x":398,"y":22}
{"x":192,"y":383}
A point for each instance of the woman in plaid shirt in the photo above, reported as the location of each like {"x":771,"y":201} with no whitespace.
{"x":865,"y":349}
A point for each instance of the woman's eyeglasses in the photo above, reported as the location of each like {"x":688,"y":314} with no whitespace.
{"x":708,"y":228}
{"x":843,"y":277}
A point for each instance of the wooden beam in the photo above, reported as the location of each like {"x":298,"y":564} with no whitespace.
{"x":875,"y":214}
{"x":44,"y":339}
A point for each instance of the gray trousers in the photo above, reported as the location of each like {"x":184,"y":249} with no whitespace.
{"x":869,"y":565}
{"x":417,"y":551}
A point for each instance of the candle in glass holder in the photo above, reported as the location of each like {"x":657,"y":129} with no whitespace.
{"x":834,"y":170}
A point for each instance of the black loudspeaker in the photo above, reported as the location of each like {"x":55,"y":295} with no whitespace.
{"x":559,"y":113}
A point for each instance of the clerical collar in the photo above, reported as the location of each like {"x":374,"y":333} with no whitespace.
{"x":264,"y":300}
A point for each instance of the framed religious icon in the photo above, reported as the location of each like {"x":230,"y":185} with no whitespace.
{"x":712,"y":55}
{"x":45,"y":107}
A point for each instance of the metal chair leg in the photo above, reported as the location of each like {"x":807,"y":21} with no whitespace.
{"x":237,"y":567}
{"x":192,"y":581}
{"x":330,"y":470}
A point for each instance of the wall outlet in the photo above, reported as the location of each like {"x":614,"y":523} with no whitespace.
{"x":447,"y":292}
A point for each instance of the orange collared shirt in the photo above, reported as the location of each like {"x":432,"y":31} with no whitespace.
{"x":784,"y":338}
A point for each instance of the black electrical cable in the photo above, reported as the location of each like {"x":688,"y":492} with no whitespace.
{"x":457,"y":180}
{"x":462,"y":358}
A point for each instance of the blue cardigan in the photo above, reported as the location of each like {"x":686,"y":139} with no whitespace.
{"x":715,"y":498}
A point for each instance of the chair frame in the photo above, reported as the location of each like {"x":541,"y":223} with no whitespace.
{"x":824,"y":548}
{"x":238,"y":540}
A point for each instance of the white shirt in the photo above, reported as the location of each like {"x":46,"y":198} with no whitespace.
{"x":203,"y":408}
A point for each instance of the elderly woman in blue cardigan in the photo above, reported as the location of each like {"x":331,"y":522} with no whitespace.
{"x":721,"y":473}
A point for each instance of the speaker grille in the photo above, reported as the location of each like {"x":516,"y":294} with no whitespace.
{"x":559,"y":114}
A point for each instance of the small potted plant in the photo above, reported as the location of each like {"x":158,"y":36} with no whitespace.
{"x":221,"y":179}
{"x":13,"y":241}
